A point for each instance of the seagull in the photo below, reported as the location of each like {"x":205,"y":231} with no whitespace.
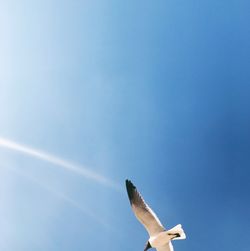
{"x":159,"y":237}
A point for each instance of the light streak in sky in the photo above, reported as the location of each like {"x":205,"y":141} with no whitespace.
{"x":62,"y":197}
{"x":77,"y":169}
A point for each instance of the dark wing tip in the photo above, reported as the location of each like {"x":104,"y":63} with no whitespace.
{"x":130,"y":190}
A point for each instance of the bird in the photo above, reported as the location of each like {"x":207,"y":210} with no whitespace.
{"x":159,"y":237}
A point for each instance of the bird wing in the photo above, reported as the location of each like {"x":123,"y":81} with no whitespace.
{"x":167,"y":247}
{"x":142,"y":211}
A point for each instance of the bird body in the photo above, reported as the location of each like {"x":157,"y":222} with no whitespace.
{"x":159,"y":237}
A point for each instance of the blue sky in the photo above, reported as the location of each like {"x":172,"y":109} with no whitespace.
{"x":153,"y":91}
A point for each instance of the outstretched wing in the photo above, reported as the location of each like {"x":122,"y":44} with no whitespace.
{"x":167,"y":247}
{"x":142,"y":211}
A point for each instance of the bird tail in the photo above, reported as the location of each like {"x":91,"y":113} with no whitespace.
{"x":178,"y":230}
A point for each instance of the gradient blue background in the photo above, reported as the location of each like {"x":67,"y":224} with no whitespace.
{"x":153,"y":91}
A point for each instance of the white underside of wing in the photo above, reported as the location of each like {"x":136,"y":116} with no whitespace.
{"x":149,"y":220}
{"x":167,"y":247}
{"x":142,"y":211}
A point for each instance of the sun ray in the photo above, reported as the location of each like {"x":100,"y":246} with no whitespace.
{"x":77,"y":169}
{"x":61,"y":196}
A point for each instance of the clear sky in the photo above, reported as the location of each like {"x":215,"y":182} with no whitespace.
{"x":94,"y":92}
